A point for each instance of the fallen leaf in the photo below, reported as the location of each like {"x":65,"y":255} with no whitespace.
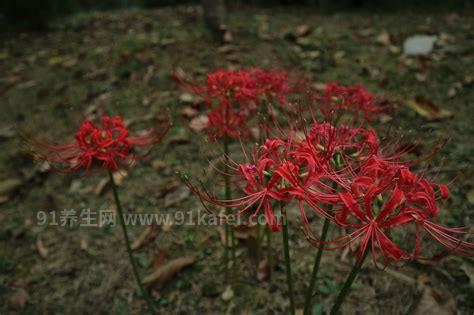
{"x":8,"y":188}
{"x":104,"y":183}
{"x":433,"y":302}
{"x":150,"y":233}
{"x":420,"y":77}
{"x":168,"y":187}
{"x":383,"y":39}
{"x":199,"y":123}
{"x":18,"y":300}
{"x":226,"y":49}
{"x":263,"y":270}
{"x":42,"y":250}
{"x":303,"y":30}
{"x":187,"y":98}
{"x":428,"y":109}
{"x":188,"y":112}
{"x":83,"y":244}
{"x":6,"y":132}
{"x":227,"y":36}
{"x":158,"y":164}
{"x":178,"y":140}
{"x":176,"y":196}
{"x":470,"y":196}
{"x":160,"y":276}
{"x":159,"y":259}
{"x":228,"y":294}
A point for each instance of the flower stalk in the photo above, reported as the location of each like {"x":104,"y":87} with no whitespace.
{"x":347,"y":285}
{"x":229,"y":230}
{"x":314,"y":275}
{"x":127,"y":245}
{"x":286,"y":248}
{"x":269,"y":253}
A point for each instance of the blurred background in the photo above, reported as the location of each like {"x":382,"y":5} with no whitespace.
{"x":65,"y":60}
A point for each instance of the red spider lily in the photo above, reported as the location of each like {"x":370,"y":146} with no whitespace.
{"x":353,"y":99}
{"x":392,"y":199}
{"x":272,"y":174}
{"x":235,"y":96}
{"x":107,"y":143}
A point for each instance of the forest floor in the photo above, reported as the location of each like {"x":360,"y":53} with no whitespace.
{"x":121,"y":62}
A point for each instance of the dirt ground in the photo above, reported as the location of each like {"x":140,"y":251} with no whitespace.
{"x":121,"y":61}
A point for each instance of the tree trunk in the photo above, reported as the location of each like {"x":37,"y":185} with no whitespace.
{"x":215,"y":15}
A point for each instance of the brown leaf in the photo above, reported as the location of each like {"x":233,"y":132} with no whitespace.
{"x":104,"y":183}
{"x":42,"y":250}
{"x":177,"y":196}
{"x":226,"y":49}
{"x":160,"y":276}
{"x":428,"y":109}
{"x":18,"y":300}
{"x":199,"y":123}
{"x":227,"y":37}
{"x":263,"y":270}
{"x":303,"y":30}
{"x":188,"y":112}
{"x":159,"y":259}
{"x":383,"y":39}
{"x":434,"y":302}
{"x":228,"y":294}
{"x":158,"y":164}
{"x":168,"y":187}
{"x":8,"y":188}
{"x":470,"y":196}
{"x":150,"y":233}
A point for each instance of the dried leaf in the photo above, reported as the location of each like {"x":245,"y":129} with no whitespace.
{"x":150,"y":233}
{"x":228,"y":294}
{"x":263,"y":270}
{"x":163,"y":274}
{"x":104,"y":183}
{"x":199,"y":123}
{"x":227,"y":37}
{"x":168,"y":187}
{"x":303,"y":30}
{"x":433,"y":302}
{"x":158,"y":164}
{"x":42,"y":250}
{"x":177,"y":196}
{"x":383,"y":39}
{"x":8,"y":188}
{"x":470,"y":196}
{"x":428,"y":109}
{"x":188,"y":112}
{"x":159,"y":259}
{"x":18,"y":300}
{"x":226,"y":49}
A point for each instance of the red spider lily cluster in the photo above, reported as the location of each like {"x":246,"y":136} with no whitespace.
{"x":343,"y":175}
{"x":337,"y":99}
{"x":107,"y":143}
{"x":234,"y":96}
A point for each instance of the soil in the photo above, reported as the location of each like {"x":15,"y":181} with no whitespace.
{"x":121,"y":62}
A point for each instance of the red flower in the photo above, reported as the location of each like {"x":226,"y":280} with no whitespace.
{"x":235,"y":95}
{"x":107,"y":144}
{"x":386,"y":201}
{"x":353,"y":99}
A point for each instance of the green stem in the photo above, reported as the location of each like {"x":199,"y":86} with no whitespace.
{"x":259,"y":240}
{"x":269,"y":252}
{"x":127,"y":243}
{"x":317,"y":262}
{"x":286,"y":248}
{"x":347,"y":285}
{"x":230,"y":235}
